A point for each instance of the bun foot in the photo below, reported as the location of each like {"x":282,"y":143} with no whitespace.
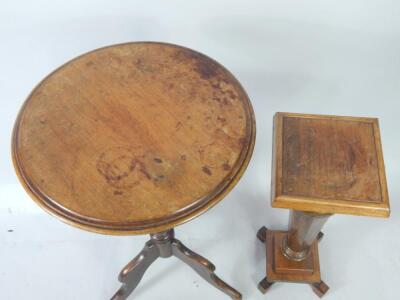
{"x":262,"y":234}
{"x":320,"y":288}
{"x":264,"y":285}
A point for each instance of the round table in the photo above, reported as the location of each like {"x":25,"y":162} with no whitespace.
{"x":135,"y":138}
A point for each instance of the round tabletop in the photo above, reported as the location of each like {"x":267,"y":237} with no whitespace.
{"x":133,"y":138}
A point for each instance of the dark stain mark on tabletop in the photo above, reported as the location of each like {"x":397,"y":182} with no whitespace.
{"x":352,"y":158}
{"x":206,"y":170}
{"x":159,"y":178}
{"x":206,"y":69}
{"x":158,"y":160}
{"x":119,"y":167}
{"x":144,"y":171}
{"x":118,"y":193}
{"x":178,"y":126}
{"x":132,"y":166}
{"x":203,"y":65}
{"x":222,"y":120}
{"x":226,"y":166}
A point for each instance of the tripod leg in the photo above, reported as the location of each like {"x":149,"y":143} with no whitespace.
{"x":133,"y":272}
{"x":204,"y":268}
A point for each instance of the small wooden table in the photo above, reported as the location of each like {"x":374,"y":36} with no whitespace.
{"x":132,"y":139}
{"x":322,"y":165}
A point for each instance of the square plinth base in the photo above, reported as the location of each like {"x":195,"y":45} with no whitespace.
{"x":280,"y":268}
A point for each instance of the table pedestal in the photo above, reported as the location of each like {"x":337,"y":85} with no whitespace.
{"x":321,"y":165}
{"x":165,"y":245}
{"x":292,"y":255}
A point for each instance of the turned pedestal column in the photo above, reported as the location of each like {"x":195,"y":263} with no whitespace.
{"x":322,"y":165}
{"x":304,"y":228}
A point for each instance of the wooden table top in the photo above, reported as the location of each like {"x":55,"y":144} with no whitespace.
{"x":133,"y":138}
{"x":329,"y":164}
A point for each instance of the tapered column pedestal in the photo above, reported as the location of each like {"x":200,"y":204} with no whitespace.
{"x":292,"y":255}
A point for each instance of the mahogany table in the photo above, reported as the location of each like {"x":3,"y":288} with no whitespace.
{"x":132,"y":139}
{"x":322,"y":165}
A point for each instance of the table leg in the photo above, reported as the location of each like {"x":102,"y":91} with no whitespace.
{"x":262,"y":234}
{"x":165,"y":245}
{"x":204,"y":268}
{"x":320,"y":288}
{"x":264,"y":285}
{"x":133,"y":272}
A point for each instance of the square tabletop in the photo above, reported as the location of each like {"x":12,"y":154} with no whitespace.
{"x":329,"y":164}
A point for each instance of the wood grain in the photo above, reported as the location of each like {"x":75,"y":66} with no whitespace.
{"x":329,"y":164}
{"x":133,"y":138}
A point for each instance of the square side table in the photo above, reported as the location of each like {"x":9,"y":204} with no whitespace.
{"x":322,"y":165}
